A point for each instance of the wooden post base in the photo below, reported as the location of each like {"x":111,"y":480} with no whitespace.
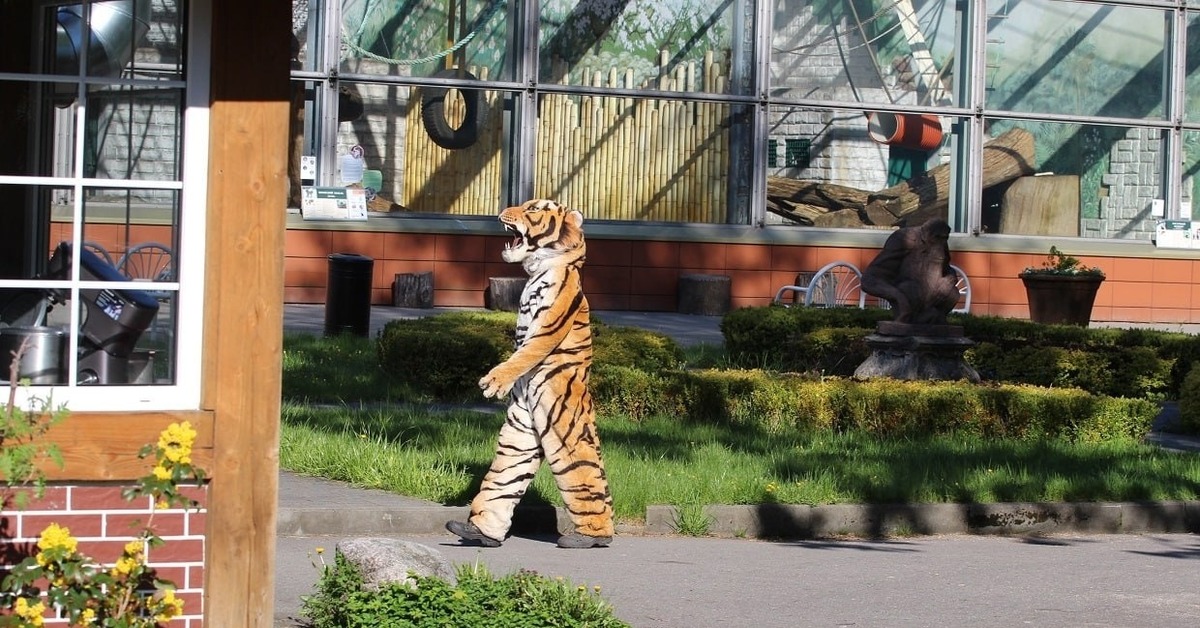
{"x":413,"y":290}
{"x":504,"y":293}
{"x":707,"y":295}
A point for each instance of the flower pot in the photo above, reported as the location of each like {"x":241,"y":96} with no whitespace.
{"x":1061,"y":299}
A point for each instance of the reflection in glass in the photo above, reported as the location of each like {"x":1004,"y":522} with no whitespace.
{"x":855,"y":169}
{"x":421,"y":37}
{"x":1080,"y":58}
{"x":1092,"y":181}
{"x":132,"y":133}
{"x":857,"y":52}
{"x":684,"y":45}
{"x":635,"y":159}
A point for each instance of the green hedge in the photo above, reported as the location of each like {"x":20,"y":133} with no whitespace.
{"x":1140,"y":363}
{"x":446,"y":355}
{"x":768,"y":401}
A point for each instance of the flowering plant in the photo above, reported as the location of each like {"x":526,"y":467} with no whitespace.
{"x":1059,"y":263}
{"x":127,"y":594}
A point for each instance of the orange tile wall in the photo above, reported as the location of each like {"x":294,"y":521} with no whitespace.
{"x":642,"y":275}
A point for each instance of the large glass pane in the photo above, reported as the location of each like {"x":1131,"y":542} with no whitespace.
{"x":448,"y":167}
{"x":684,"y":45}
{"x":636,"y":159}
{"x":114,"y":39}
{"x":857,"y":169}
{"x":1191,"y":108}
{"x":423,"y":37}
{"x":133,"y":133}
{"x":1087,"y":180}
{"x":1076,"y":58}
{"x":866,"y":51}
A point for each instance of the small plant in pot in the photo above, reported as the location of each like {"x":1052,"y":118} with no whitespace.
{"x":1062,"y":289}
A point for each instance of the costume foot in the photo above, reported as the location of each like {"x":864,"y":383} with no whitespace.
{"x":468,"y":532}
{"x":576,"y":540}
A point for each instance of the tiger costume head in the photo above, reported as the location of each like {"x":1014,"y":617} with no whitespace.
{"x":543,"y":231}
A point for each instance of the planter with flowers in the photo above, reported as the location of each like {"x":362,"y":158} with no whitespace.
{"x":1062,"y":289}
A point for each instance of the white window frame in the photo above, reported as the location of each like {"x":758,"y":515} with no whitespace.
{"x":184,"y":393}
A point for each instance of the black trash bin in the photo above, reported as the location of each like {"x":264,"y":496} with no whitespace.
{"x":348,"y":294}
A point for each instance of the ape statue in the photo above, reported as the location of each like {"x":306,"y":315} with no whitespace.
{"x":913,"y":274}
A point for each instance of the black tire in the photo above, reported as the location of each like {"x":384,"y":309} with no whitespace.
{"x":433,"y":113}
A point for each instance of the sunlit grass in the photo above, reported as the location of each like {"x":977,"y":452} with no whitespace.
{"x":441,"y":456}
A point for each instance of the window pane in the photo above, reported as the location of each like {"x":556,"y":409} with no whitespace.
{"x":1081,"y":58}
{"x":856,"y":169}
{"x":686,"y":45}
{"x":1191,"y":107}
{"x":41,"y":146}
{"x":856,"y":52}
{"x":422,"y":37}
{"x":114,"y":39}
{"x":133,"y":133}
{"x":1096,"y":181}
{"x":635,"y":159}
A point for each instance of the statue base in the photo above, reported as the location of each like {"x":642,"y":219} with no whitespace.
{"x":917,"y":352}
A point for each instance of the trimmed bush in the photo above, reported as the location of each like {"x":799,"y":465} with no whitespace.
{"x":1189,"y":402}
{"x":885,"y":407}
{"x":445,"y":355}
{"x":1142,"y":363}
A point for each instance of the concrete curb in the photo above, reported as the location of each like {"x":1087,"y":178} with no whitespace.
{"x":779,"y":521}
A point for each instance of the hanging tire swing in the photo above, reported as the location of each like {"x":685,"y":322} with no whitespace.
{"x":433,"y":112}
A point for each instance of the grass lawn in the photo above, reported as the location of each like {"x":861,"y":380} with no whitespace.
{"x":343,"y":420}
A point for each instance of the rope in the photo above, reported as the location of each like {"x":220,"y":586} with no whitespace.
{"x":351,"y":45}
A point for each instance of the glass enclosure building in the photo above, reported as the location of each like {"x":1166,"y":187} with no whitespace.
{"x":1005,"y":117}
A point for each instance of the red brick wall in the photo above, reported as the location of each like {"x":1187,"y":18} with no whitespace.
{"x":642,"y":275}
{"x":103,"y":522}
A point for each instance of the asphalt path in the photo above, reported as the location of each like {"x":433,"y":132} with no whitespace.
{"x":940,"y":581}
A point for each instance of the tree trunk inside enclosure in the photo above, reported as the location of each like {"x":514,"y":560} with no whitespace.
{"x":912,"y":202}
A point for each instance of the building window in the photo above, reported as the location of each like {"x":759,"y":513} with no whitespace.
{"x":101,"y":262}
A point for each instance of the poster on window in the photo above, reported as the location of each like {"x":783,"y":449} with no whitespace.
{"x":1177,"y":234}
{"x":333,"y":203}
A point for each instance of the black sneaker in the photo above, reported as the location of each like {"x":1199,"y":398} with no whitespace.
{"x":576,"y":540}
{"x":468,"y":532}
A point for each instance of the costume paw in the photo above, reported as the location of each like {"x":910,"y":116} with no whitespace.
{"x":493,"y":386}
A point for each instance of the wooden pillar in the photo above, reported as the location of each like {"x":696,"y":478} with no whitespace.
{"x":243,"y":304}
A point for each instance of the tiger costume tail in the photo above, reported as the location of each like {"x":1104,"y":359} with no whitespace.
{"x":550,"y":415}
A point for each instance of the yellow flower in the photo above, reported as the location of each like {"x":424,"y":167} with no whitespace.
{"x":55,"y":538}
{"x":162,"y":504}
{"x":169,"y":606}
{"x":125,"y":565}
{"x":161,"y":472}
{"x":134,"y":547}
{"x":320,"y":550}
{"x":31,"y":613}
{"x":175,"y":443}
{"x":88,"y":616}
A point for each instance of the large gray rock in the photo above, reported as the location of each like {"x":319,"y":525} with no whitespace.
{"x":383,"y":560}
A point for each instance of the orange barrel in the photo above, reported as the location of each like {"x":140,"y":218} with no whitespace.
{"x":910,"y":130}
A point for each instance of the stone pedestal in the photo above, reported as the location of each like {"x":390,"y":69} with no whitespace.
{"x":917,"y":352}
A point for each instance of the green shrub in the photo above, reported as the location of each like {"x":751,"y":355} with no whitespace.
{"x":635,"y":348}
{"x":629,"y":392}
{"x":478,"y":600}
{"x":445,"y":355}
{"x":892,"y":408}
{"x":1189,"y":402}
{"x":1142,"y":363}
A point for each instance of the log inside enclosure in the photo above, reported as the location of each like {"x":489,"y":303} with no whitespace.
{"x":912,"y":202}
{"x":413,"y":290}
{"x":707,"y":295}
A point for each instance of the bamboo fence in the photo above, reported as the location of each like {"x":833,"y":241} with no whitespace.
{"x":614,"y":157}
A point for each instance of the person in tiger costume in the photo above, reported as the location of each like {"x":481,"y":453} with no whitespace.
{"x":550,"y":414}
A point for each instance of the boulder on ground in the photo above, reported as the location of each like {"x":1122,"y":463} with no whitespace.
{"x":383,"y":560}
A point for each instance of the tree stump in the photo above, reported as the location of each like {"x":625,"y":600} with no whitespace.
{"x":504,"y":293}
{"x":707,"y":295}
{"x":413,"y":290}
